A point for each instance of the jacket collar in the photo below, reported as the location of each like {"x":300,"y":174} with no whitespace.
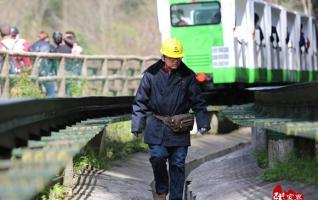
{"x":183,"y":70}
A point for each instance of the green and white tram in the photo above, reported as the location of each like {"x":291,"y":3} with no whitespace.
{"x":242,"y":41}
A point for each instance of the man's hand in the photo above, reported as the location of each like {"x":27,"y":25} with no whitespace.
{"x":202,"y":130}
{"x":136,"y":134}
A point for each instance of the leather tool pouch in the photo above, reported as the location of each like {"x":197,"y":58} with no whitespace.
{"x":178,"y":123}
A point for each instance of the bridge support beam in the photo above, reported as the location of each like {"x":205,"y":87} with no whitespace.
{"x":305,"y":147}
{"x":68,"y":178}
{"x":102,"y":146}
{"x":220,"y":123}
{"x":280,"y":148}
{"x":259,"y":138}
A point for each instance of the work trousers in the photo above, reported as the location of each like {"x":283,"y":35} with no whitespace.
{"x":176,"y":158}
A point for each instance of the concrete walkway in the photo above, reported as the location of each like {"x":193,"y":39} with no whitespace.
{"x":130,"y":179}
{"x":235,"y":176}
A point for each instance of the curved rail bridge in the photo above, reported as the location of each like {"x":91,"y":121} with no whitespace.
{"x":39,"y":137}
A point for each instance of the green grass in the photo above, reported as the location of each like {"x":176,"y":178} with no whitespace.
{"x":23,"y":86}
{"x":120,"y":150}
{"x":261,"y":158}
{"x":119,"y":144}
{"x":56,"y":192}
{"x":295,"y":169}
{"x":87,"y":158}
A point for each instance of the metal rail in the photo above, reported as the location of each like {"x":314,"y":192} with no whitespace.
{"x":21,"y":120}
{"x":291,"y":110}
{"x":27,"y":167}
{"x":31,"y":168}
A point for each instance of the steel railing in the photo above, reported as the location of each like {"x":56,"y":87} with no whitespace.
{"x":291,"y":110}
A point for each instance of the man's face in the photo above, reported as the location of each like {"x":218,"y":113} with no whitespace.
{"x":172,"y":63}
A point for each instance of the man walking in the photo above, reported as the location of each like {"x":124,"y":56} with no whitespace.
{"x":168,"y":88}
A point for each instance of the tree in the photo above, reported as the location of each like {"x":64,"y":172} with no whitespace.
{"x":315,"y":8}
{"x":308,"y":6}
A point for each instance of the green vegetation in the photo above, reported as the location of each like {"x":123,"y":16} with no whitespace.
{"x":88,"y":158}
{"x":96,"y":37}
{"x":296,"y":169}
{"x":55,"y":193}
{"x":119,"y":141}
{"x":261,"y":158}
{"x":120,"y":150}
{"x":76,"y":88}
{"x":119,"y":144}
{"x":23,"y":86}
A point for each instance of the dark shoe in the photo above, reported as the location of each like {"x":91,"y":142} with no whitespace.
{"x":161,"y":197}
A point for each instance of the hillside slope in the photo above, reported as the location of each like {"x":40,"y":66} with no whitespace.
{"x":102,"y":26}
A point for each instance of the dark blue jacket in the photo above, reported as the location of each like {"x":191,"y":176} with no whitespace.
{"x":41,"y":46}
{"x":167,"y":95}
{"x":48,"y":67}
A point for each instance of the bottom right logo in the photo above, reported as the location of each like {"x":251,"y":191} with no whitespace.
{"x":279,"y":194}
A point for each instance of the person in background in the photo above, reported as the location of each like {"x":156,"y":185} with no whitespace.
{"x":21,"y":45}
{"x":71,"y":66}
{"x":75,"y":68}
{"x":42,"y":44}
{"x":6,"y":44}
{"x":47,"y":66}
{"x":61,"y":47}
{"x":258,"y":32}
{"x":274,"y":38}
{"x":177,"y":17}
{"x":70,"y":39}
{"x":11,"y":41}
{"x":168,"y":88}
{"x":304,"y":42}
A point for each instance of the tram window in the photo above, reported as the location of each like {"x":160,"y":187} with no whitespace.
{"x":258,"y":27}
{"x":287,"y":37}
{"x":274,"y":36}
{"x":199,"y":13}
{"x":302,"y":40}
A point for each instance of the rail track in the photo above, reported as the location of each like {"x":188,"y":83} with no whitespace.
{"x":39,"y":137}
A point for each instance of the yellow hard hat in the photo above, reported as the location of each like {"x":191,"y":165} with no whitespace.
{"x":172,"y":48}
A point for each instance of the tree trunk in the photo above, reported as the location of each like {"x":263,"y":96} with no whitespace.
{"x":308,"y":6}
{"x":315,"y":8}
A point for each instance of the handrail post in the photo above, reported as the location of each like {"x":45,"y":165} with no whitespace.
{"x":35,"y":69}
{"x":6,"y":75}
{"x":124,"y":71}
{"x":104,"y":73}
{"x":62,"y":78}
{"x":84,"y":78}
